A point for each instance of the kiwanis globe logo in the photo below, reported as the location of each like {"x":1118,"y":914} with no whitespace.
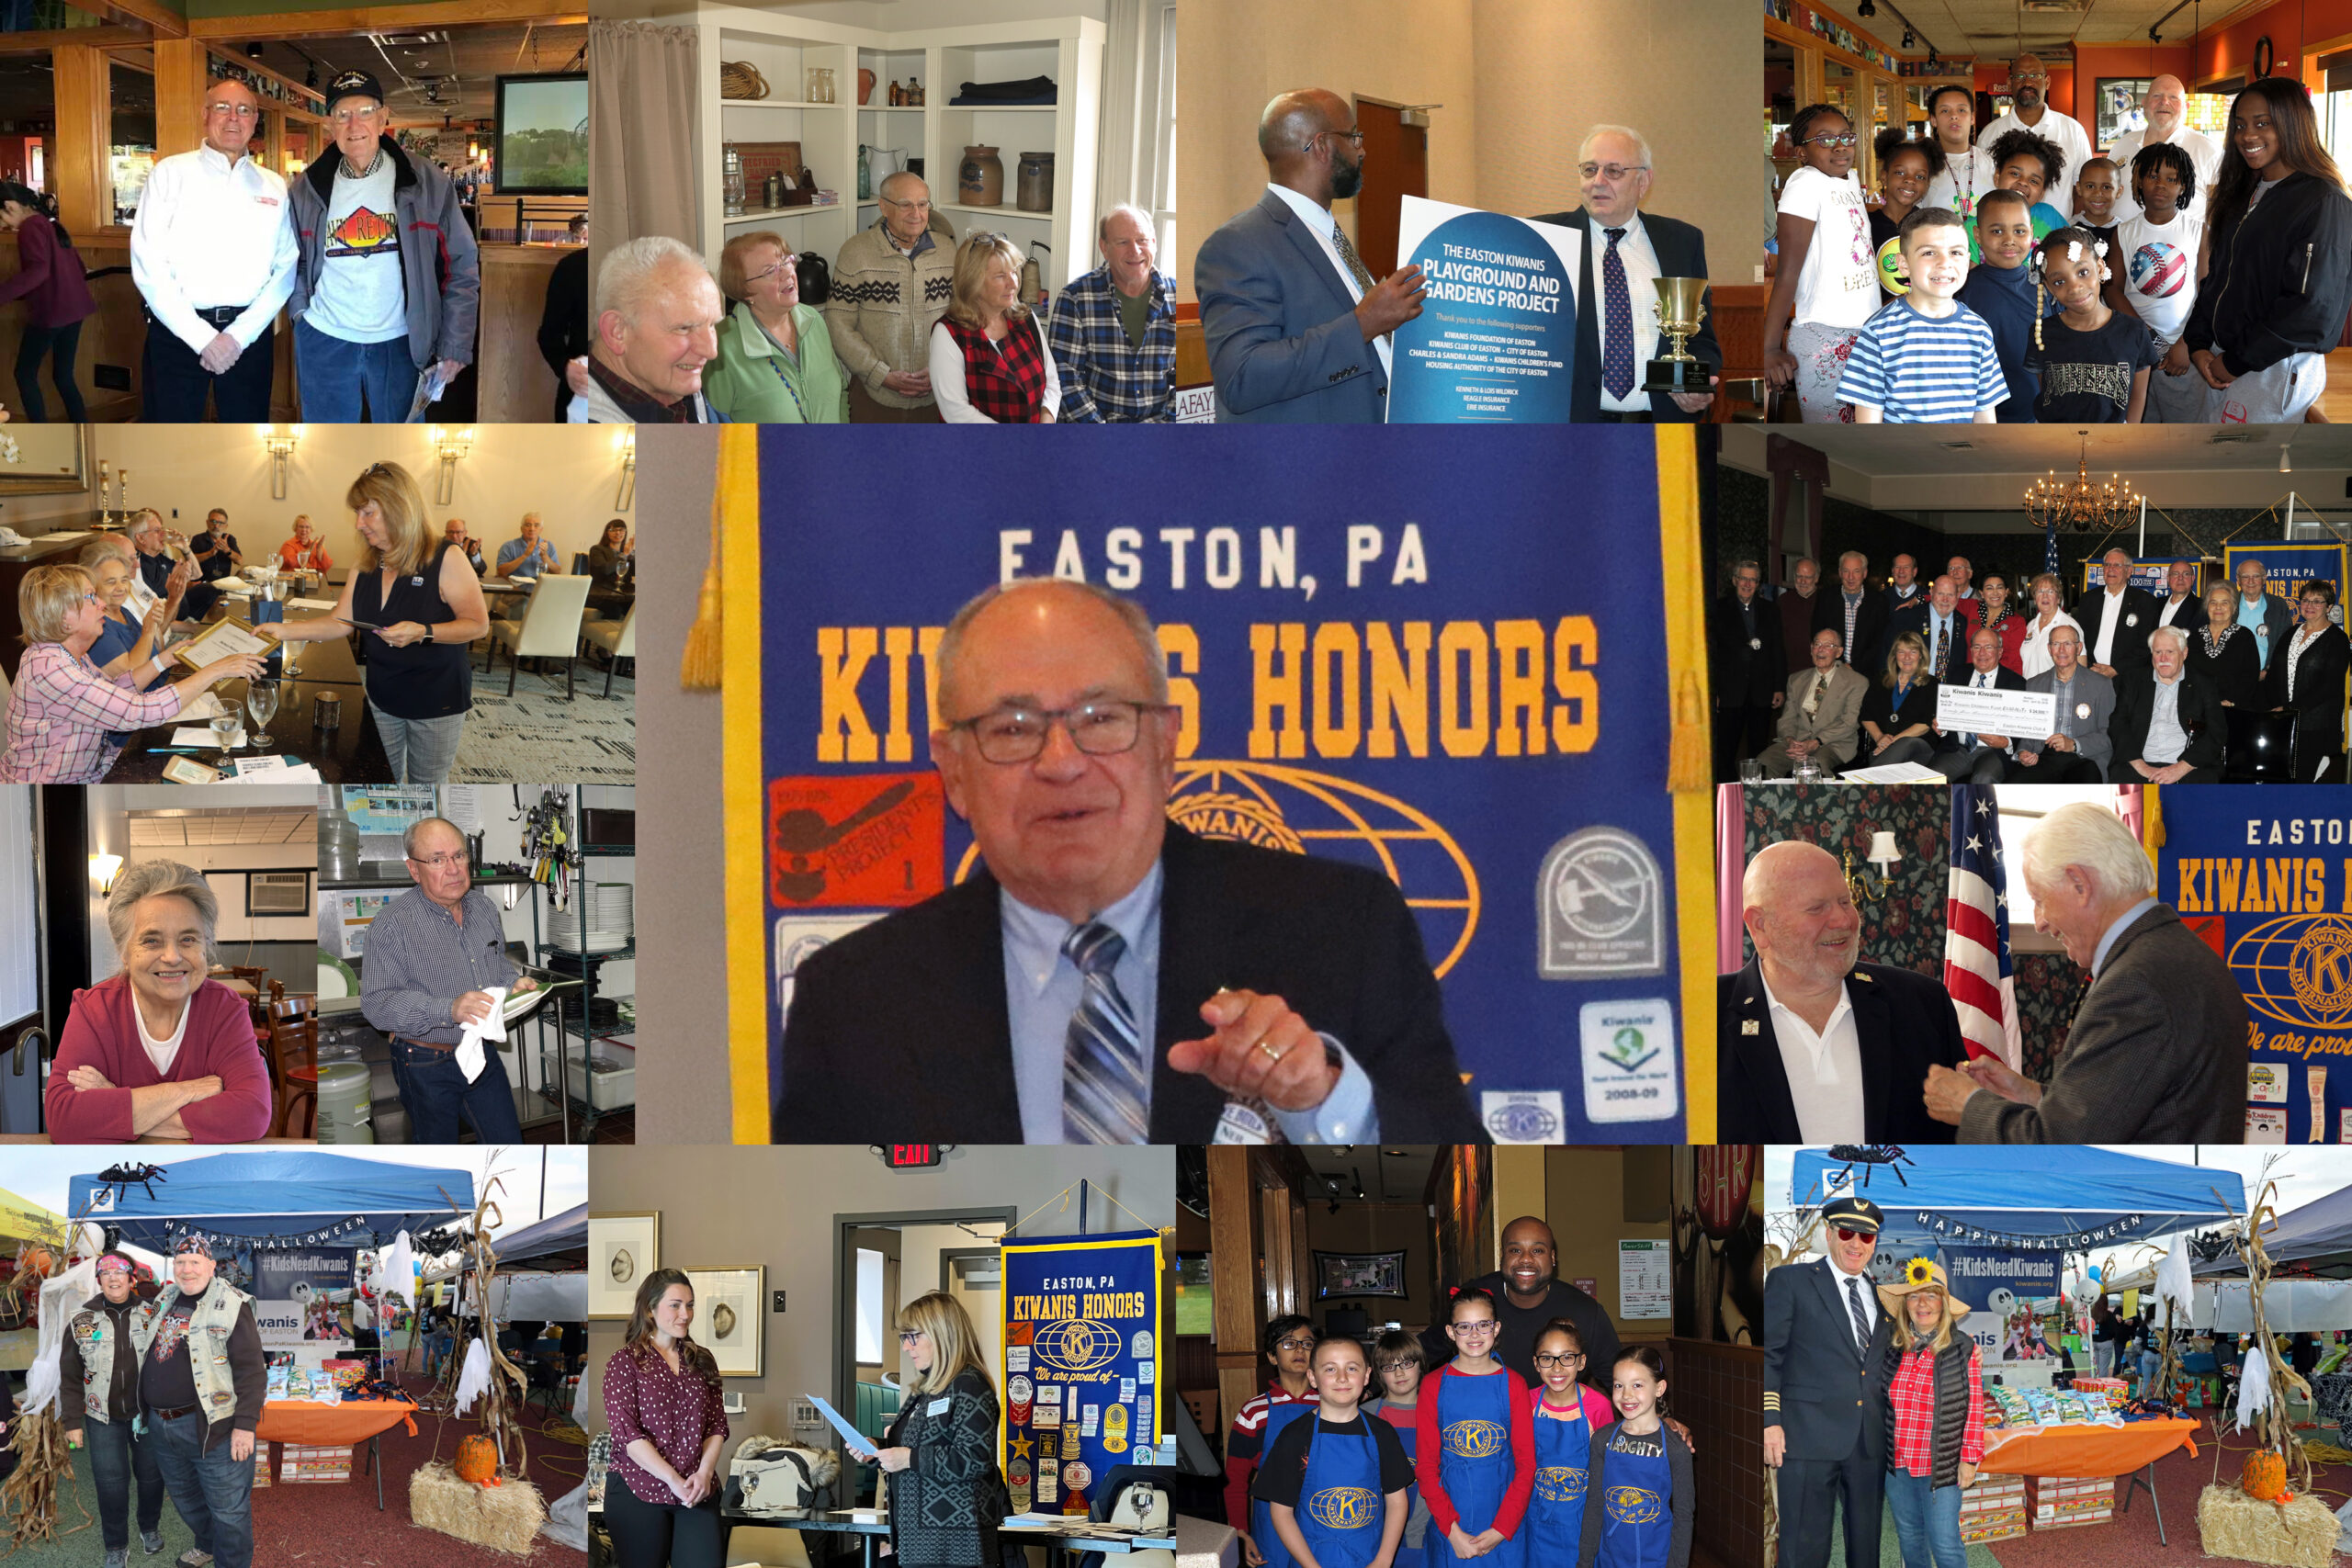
{"x":1476,"y":1439}
{"x":2298,"y":970}
{"x":1344,"y":1507}
{"x":1075,"y":1345}
{"x":1560,"y":1484}
{"x":1635,"y":1506}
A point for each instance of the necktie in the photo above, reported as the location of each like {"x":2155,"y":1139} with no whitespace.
{"x":1105,"y":1085}
{"x":1968,"y":742}
{"x":1942,"y":626}
{"x":1812,"y":703}
{"x":1861,"y":1314}
{"x":1347,"y":254}
{"x":2066,"y":693}
{"x":1617,"y":358}
{"x":1853,"y":608}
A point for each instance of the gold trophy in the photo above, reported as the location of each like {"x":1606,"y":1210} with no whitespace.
{"x":1681,"y":309}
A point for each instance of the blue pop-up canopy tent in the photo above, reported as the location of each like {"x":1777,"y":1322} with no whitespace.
{"x":1986,"y":1194}
{"x":276,"y":1193}
{"x":2317,"y":1238}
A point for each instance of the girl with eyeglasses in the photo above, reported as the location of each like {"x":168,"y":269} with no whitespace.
{"x":1565,"y":1412}
{"x":2308,"y":676}
{"x":668,"y":1422}
{"x":1476,"y":1448}
{"x":946,"y":1495}
{"x":1826,"y":284}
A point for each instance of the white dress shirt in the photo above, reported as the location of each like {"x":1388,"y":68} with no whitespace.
{"x":1322,"y":225}
{"x":1824,"y":1070}
{"x":2110,"y":617}
{"x":210,"y":234}
{"x":2033,"y":654}
{"x":1642,"y":273}
{"x":2070,"y":139}
{"x":2204,"y":156}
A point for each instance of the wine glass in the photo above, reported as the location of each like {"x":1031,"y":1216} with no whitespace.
{"x":224,"y":729}
{"x":260,"y":701}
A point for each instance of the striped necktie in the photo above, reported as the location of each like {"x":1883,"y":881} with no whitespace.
{"x":1863,"y":1327}
{"x":1106,"y":1082}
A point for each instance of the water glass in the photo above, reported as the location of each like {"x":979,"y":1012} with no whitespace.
{"x":1750,"y":770}
{"x":224,"y":729}
{"x":260,"y":701}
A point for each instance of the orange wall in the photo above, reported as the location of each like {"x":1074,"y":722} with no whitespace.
{"x":2291,"y":25}
{"x":2094,"y":61}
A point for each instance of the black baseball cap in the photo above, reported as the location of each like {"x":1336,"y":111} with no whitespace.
{"x":353,"y":84}
{"x":1854,"y":1213}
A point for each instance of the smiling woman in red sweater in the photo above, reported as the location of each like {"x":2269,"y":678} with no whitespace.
{"x":159,"y":1049}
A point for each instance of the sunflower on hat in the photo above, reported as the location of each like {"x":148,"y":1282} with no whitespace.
{"x":1922,"y":1274}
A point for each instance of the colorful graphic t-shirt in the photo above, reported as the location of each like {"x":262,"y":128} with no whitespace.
{"x":359,"y":298}
{"x":2158,"y":261}
{"x":166,"y":1376}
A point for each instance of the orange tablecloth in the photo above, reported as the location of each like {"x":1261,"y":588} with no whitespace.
{"x":332,"y":1425}
{"x":2091,"y":1452}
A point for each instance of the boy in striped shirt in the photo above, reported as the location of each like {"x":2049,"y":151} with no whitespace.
{"x":1925,"y":358}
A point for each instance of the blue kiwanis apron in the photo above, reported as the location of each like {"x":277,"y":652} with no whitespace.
{"x":1474,"y":1460}
{"x":1261,"y":1517}
{"x":1340,"y":1506}
{"x":1637,"y":1517}
{"x":1554,"y":1527}
{"x":1408,"y":1437}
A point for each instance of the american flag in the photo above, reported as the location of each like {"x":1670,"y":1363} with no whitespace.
{"x":1978,"y":971}
{"x":2049,"y":556}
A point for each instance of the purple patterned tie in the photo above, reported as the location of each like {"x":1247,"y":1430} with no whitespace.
{"x":1617,"y":359}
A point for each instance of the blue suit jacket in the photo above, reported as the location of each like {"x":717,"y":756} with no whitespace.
{"x":1681,"y":252}
{"x":1282,"y":340}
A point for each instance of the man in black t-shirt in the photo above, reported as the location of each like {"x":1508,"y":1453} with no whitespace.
{"x":200,"y":1416}
{"x":1527,"y":1296}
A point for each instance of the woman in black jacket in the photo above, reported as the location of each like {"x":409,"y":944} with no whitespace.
{"x":2279,"y":281}
{"x":2308,"y":674}
{"x":1935,"y":1385}
{"x":946,"y":1495}
{"x":2221,"y":652}
{"x":1898,"y":706}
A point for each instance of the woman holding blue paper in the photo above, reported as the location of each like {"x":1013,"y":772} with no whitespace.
{"x":947,"y":1494}
{"x":663,"y":1408}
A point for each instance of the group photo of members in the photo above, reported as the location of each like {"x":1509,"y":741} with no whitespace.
{"x":276,"y":219}
{"x":2061,"y":233}
{"x":2198,"y":638}
{"x":294,"y":606}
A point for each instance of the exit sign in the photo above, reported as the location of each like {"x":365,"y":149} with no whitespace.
{"x":909,"y":1156}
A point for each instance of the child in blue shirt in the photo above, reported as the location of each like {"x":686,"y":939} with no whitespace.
{"x":2002,"y":291}
{"x":1925,"y":358}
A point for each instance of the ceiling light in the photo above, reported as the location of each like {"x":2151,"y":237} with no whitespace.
{"x":2284,"y":466}
{"x":1867,"y":9}
{"x":1910,"y":38}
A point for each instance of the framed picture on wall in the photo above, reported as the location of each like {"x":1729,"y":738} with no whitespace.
{"x":2119,"y":113}
{"x":622,"y":1250}
{"x":1359,"y":1274}
{"x":728,"y":1317}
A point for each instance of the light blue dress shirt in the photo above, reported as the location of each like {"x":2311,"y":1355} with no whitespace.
{"x":515,"y":549}
{"x":2122,"y":924}
{"x":1042,"y":989}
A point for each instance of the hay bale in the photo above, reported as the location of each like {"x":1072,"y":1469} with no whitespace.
{"x":2300,"y":1534}
{"x":505,"y":1517}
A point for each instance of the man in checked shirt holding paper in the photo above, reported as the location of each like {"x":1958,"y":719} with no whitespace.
{"x":433,"y":956}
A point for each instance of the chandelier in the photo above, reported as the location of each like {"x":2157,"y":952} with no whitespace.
{"x":2082,"y":506}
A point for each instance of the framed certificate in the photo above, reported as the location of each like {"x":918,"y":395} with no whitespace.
{"x":223,"y":638}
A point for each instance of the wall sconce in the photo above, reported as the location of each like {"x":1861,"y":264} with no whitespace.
{"x":450,"y":445}
{"x":625,"y":443}
{"x":279,"y":441}
{"x":1883,"y":855}
{"x":102,"y":869}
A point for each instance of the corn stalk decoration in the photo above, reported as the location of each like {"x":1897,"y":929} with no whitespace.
{"x":29,"y":1497}
{"x":2273,"y":1429}
{"x":498,"y":1419}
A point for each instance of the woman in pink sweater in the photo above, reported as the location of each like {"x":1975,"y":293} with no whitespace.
{"x":159,"y":1050}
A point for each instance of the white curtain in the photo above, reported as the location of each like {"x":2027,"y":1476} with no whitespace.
{"x":19,"y":907}
{"x":642,"y":125}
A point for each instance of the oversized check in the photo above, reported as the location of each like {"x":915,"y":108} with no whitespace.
{"x":2020,"y":716}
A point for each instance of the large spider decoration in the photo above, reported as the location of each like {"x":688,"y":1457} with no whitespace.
{"x":1866,"y":1156}
{"x":126,"y":1176}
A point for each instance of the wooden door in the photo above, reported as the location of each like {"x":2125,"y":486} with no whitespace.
{"x":1396,"y":165}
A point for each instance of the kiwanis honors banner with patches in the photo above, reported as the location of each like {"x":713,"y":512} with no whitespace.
{"x":1447,"y":655}
{"x":1082,"y":1335}
{"x":2264,"y":876}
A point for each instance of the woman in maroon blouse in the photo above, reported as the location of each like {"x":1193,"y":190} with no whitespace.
{"x":662,"y":1403}
{"x":56,"y":291}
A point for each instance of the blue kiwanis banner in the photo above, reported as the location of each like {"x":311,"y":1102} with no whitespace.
{"x":1443,"y":654}
{"x":2262,"y":876}
{"x":1083,"y":1332}
{"x":1496,"y":336}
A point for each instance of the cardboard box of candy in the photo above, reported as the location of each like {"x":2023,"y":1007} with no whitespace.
{"x":2116,"y":1390}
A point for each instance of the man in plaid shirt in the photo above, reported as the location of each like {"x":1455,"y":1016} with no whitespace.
{"x":1114,"y":332}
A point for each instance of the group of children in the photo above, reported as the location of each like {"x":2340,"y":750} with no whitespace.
{"x":1463,"y":1462}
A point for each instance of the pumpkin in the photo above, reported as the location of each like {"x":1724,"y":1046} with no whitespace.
{"x":2264,"y":1475}
{"x":477,"y":1460}
{"x":36,"y":1262}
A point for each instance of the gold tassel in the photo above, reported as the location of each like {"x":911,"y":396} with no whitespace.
{"x":1689,"y":759}
{"x":702,"y":664}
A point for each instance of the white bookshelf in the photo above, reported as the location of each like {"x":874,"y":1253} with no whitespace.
{"x":784,"y":49}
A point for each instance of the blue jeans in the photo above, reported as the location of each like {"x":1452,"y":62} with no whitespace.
{"x":433,"y":1090}
{"x":421,"y":750}
{"x":335,"y":374}
{"x":1927,"y":1521}
{"x":116,"y":1453}
{"x":213,"y":1492}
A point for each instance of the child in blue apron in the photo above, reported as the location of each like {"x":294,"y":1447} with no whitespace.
{"x":1638,"y":1499}
{"x":1398,"y":1362}
{"x":1565,"y":1415}
{"x":1475,"y":1452}
{"x":1332,"y":1488}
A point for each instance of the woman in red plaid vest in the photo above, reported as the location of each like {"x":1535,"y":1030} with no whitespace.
{"x":989,"y":360}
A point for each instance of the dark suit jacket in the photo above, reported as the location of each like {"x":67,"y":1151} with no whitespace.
{"x":2003,"y":680}
{"x":1744,"y":676}
{"x":1915,"y":618}
{"x":1281,"y":326}
{"x":900,"y":1029}
{"x":1820,"y":1388}
{"x":2156,"y":1053}
{"x":1904,"y":1024}
{"x":2130,"y":650}
{"x":1681,"y":252}
{"x":1870,"y":626}
{"x":2187,"y":613}
{"x":2135,"y":697}
{"x":2319,"y":700}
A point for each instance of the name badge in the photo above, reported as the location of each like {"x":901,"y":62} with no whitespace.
{"x":416,"y":583}
{"x":939,"y":1406}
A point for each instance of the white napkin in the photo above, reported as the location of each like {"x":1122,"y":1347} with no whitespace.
{"x":191,"y":736}
{"x":470,"y":1059}
{"x":328,"y":604}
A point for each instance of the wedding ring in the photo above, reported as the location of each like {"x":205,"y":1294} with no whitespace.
{"x":1274,"y":1052}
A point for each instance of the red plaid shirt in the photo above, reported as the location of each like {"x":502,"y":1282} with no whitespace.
{"x":65,"y":714}
{"x":1914,"y":1393}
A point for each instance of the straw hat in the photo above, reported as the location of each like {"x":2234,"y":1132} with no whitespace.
{"x":1920,"y":1274}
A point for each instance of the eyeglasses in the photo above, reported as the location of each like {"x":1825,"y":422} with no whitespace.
{"x":1295,"y":1342}
{"x":909,"y":1335}
{"x":766,"y":273}
{"x":234,"y":111}
{"x":1386,"y":1367}
{"x":1846,"y":1234}
{"x":1476,"y":1326}
{"x":923,"y":206}
{"x":1826,"y":139}
{"x":345,"y":117}
{"x":440,"y":863}
{"x":1354,"y":136}
{"x":1102,"y":729}
{"x":1567,"y":1361}
{"x":1611,"y":171}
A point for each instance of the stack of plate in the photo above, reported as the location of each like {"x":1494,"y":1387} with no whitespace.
{"x":611,"y":922}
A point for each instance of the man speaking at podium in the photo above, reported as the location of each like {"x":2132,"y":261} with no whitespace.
{"x":1108,"y":976}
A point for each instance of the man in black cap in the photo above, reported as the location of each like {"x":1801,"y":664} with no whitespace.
{"x":389,"y":280}
{"x":201,"y":1381}
{"x":1825,"y":1423}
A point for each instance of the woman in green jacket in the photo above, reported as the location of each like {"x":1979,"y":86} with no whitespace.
{"x":775,"y":363}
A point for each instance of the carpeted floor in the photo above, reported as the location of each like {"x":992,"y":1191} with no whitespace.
{"x":336,"y":1523}
{"x":536,"y":736}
